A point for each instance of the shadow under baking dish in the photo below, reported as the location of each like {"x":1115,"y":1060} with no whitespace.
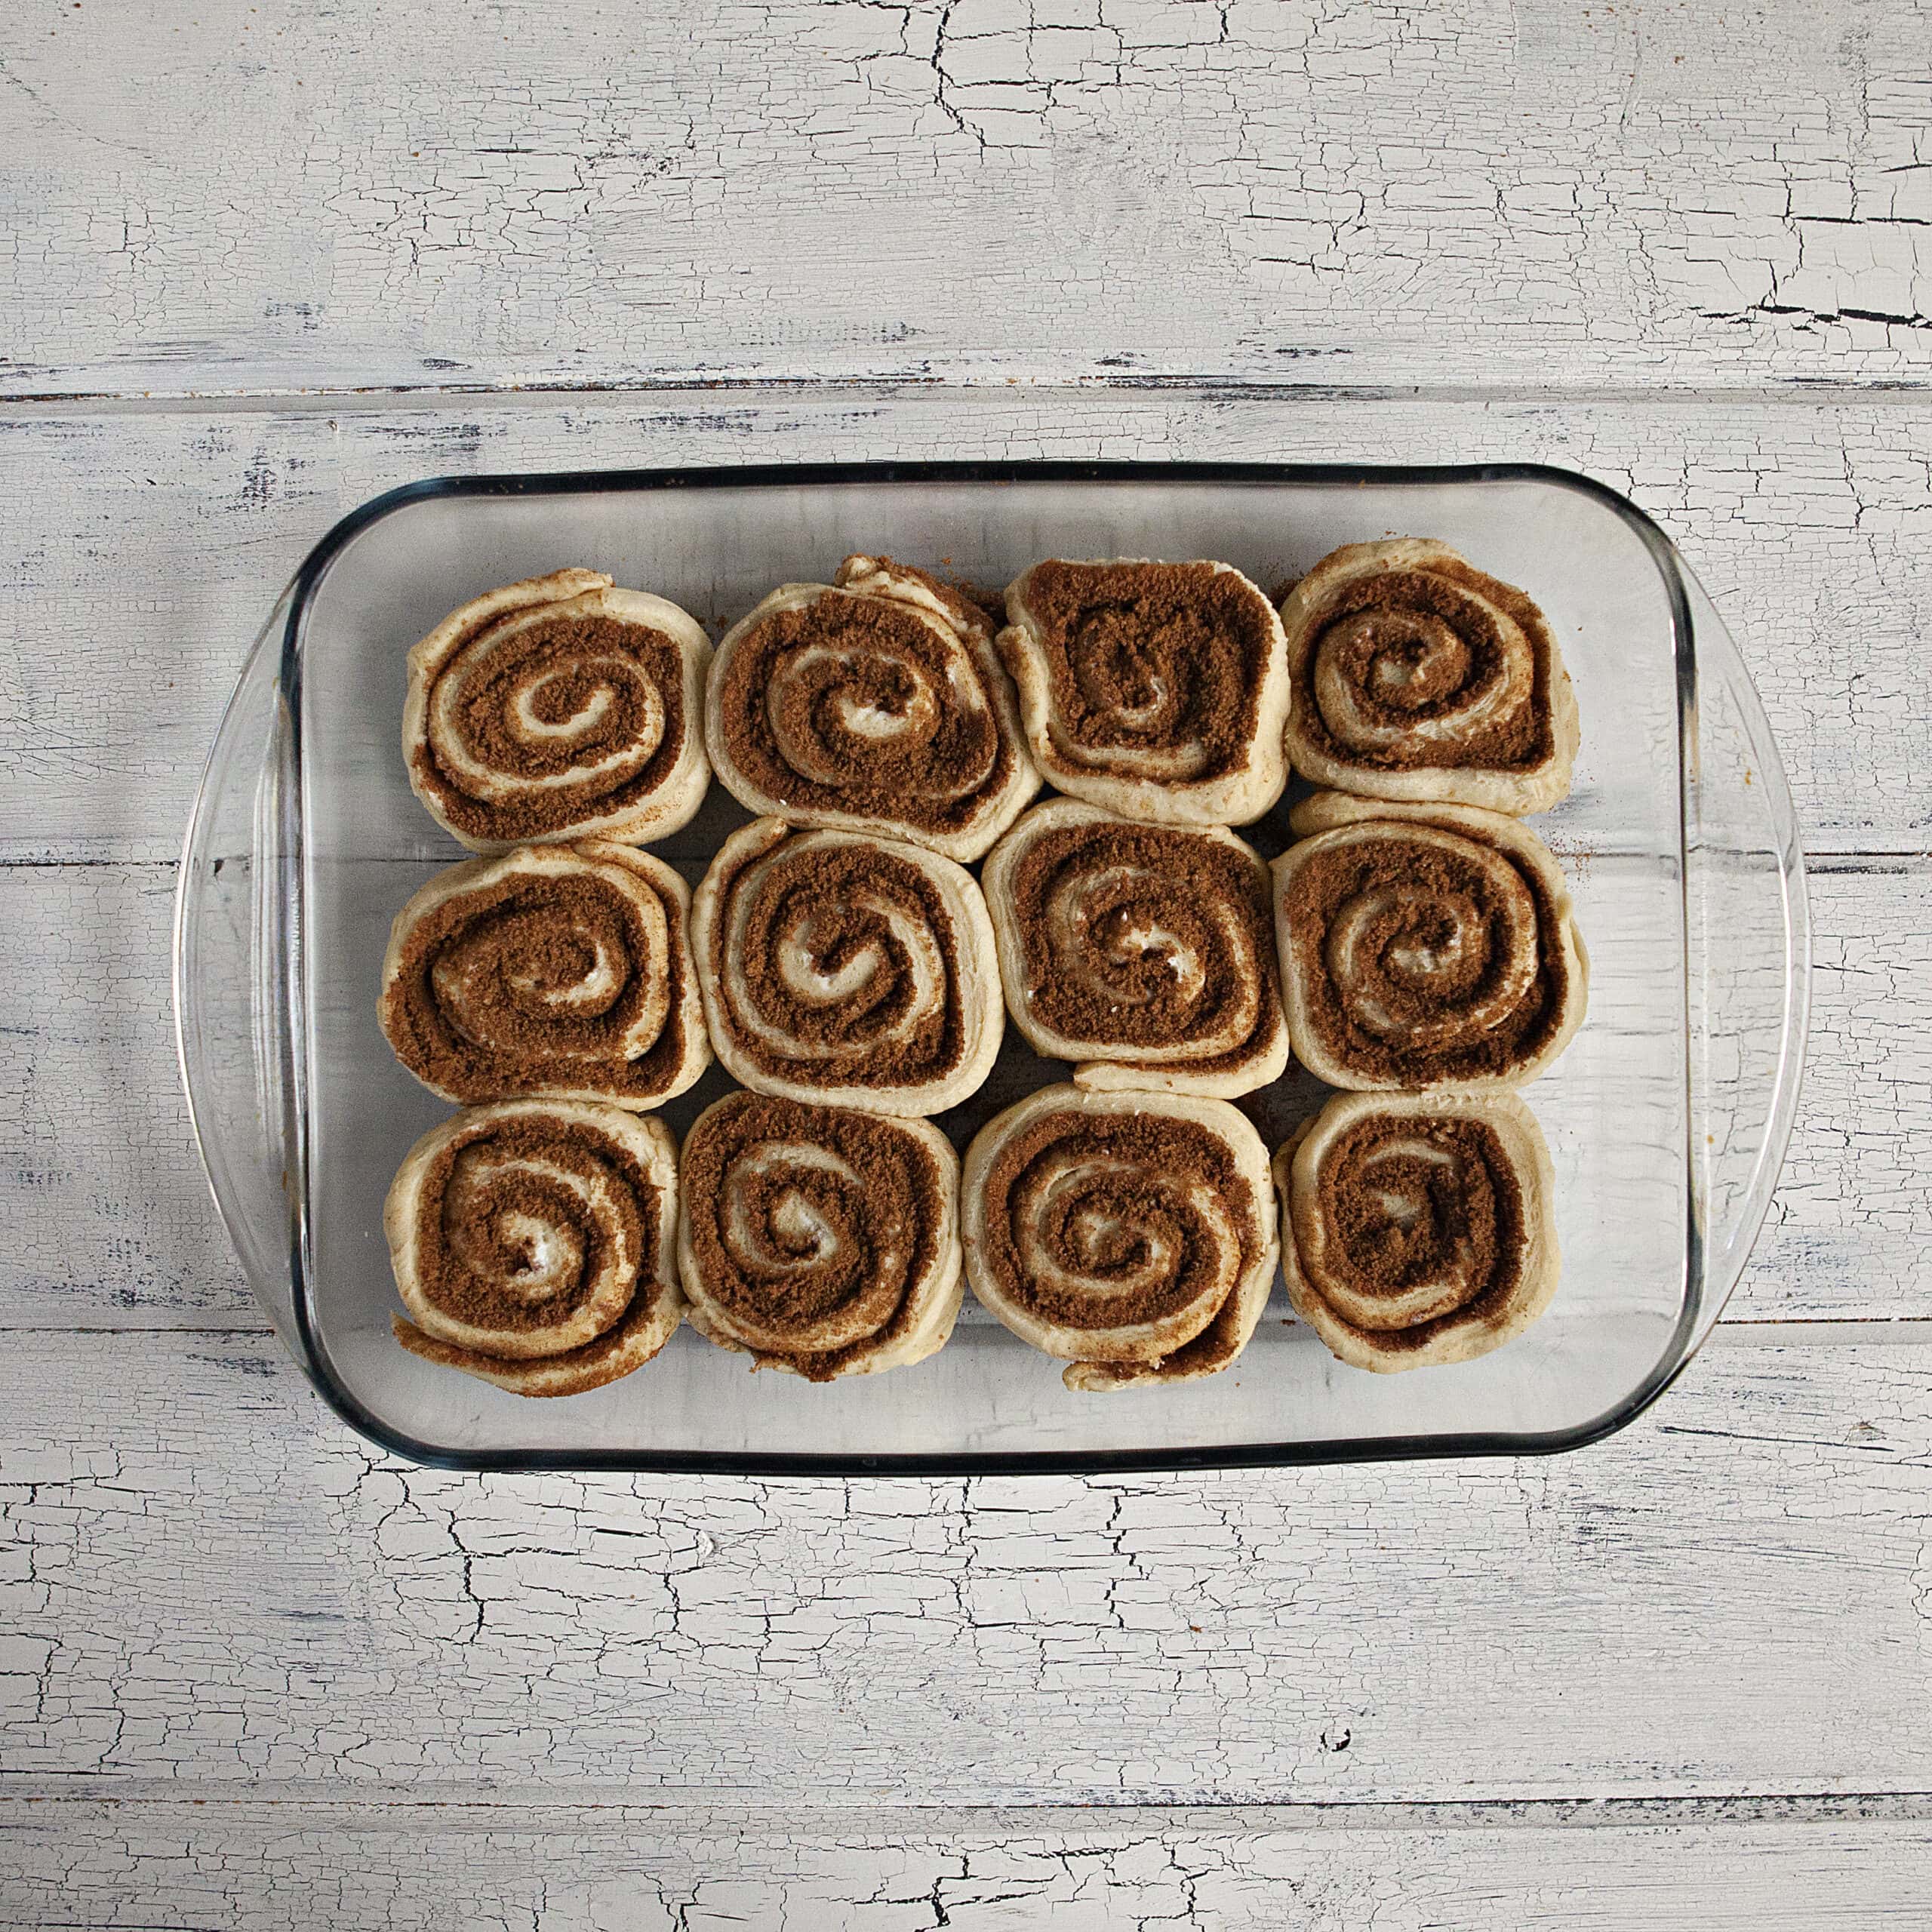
{"x":1666,"y":1118}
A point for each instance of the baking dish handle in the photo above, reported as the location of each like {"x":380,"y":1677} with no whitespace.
{"x":237,"y":998}
{"x":1748,"y":939}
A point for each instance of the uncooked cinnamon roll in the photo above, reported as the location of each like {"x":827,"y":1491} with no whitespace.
{"x":561,"y":971}
{"x":1145,"y":952}
{"x":875,"y":703}
{"x":839,"y":967}
{"x":1416,"y":677}
{"x":533,"y":1244}
{"x":1131,"y":1234}
{"x":558,"y":708}
{"x":1424,"y":946}
{"x":1418,"y":1228}
{"x":1157,"y":691}
{"x":818,"y":1239}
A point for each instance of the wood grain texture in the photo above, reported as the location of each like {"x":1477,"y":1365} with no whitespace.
{"x":571,"y":195}
{"x":149,"y":549}
{"x":206,"y":1578}
{"x":111,"y":1224}
{"x":264,"y":1866}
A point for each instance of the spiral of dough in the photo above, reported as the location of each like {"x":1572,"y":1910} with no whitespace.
{"x":1145,"y":952}
{"x":819,"y":1239}
{"x":562,"y":971}
{"x":1132,"y":1235}
{"x":558,"y":708}
{"x":1418,"y":1229}
{"x":532,"y":1243}
{"x":1424,"y":946}
{"x":842,"y":967}
{"x":874,"y":703}
{"x":1157,"y":691}
{"x":1416,"y":677}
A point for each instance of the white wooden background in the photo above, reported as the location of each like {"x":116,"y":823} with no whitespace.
{"x":260,"y":261}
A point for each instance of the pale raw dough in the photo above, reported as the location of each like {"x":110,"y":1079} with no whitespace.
{"x":1322,"y":1297}
{"x":935,"y":1295}
{"x":1149,"y":783}
{"x":663,"y":902}
{"x":974,"y":680}
{"x":1319,"y":690}
{"x":1130,"y":1351}
{"x":461,"y":647}
{"x":1110,"y":1064}
{"x":1328,"y":818}
{"x":745,"y":862}
{"x":633,"y":1304}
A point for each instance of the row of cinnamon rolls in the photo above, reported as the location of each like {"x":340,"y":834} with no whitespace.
{"x":1394,"y":947}
{"x":564,"y":707}
{"x":552,"y":1247}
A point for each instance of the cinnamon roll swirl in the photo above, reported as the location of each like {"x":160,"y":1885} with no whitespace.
{"x":533,"y":1244}
{"x":1424,"y":946}
{"x":839,"y":967}
{"x":1416,"y":677}
{"x":559,"y":971}
{"x":819,"y":1240}
{"x":1418,"y":1228}
{"x":874,"y":703}
{"x":1145,"y":952}
{"x":558,"y":708}
{"x":1156,"y":691}
{"x":1132,"y":1235}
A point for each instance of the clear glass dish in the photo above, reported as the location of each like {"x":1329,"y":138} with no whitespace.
{"x":1668,"y":1116}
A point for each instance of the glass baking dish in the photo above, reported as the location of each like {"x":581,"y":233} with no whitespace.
{"x":1667,"y":1117}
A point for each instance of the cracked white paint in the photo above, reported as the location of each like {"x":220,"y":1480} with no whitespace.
{"x":206,"y":1578}
{"x":252,"y":1675}
{"x":566,"y":193}
{"x":258,"y":1867}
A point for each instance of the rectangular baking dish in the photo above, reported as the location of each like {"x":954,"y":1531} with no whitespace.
{"x":1667,"y":1117}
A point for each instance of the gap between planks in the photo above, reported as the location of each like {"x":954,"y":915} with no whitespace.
{"x":1795,"y":393}
{"x":565,"y":1808}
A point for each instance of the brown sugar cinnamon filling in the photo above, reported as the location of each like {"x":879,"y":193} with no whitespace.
{"x":863,"y":706}
{"x":1405,"y":656}
{"x":1151,"y":945}
{"x":526,"y":1230}
{"x":1423,"y":957}
{"x":556,"y":970}
{"x":1419,"y":1229}
{"x":841,"y":966}
{"x":530,"y":731}
{"x":1153,"y":669}
{"x":1425,"y":1220}
{"x":1119,"y":1227}
{"x":817,"y":1238}
{"x":531,"y":1243}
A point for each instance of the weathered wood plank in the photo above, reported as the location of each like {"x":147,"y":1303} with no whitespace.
{"x":149,"y":549}
{"x":584,"y":195}
{"x":257,"y":1867}
{"x":205,"y":1578}
{"x":109,"y":1220}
